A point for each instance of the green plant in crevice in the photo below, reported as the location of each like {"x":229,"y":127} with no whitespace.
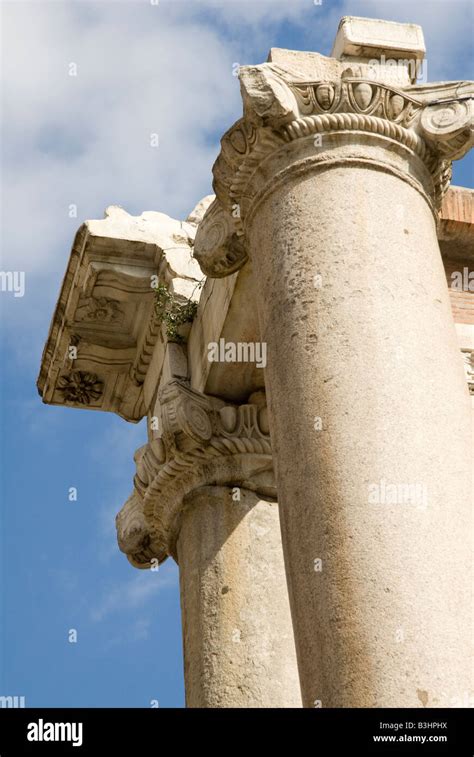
{"x":173,"y":312}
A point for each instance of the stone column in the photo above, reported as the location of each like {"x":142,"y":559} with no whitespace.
{"x":237,"y":634}
{"x":332,"y":189}
{"x":205,"y":495}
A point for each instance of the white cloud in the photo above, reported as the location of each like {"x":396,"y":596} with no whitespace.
{"x":142,"y":69}
{"x":85,"y":140}
{"x":247,"y":12}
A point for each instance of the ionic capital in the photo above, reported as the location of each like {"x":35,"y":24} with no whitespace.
{"x":203,"y":442}
{"x":295,"y":125}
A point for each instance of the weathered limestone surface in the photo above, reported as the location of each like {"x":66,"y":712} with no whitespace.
{"x":105,"y":310}
{"x":238,"y":637}
{"x":333,"y":187}
{"x":378,"y":625}
{"x":363,"y":39}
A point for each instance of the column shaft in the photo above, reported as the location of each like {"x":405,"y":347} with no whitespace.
{"x":385,"y":619}
{"x":237,"y":633}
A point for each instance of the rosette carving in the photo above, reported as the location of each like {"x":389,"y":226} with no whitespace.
{"x":81,"y":387}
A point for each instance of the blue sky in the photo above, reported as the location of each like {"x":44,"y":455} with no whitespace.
{"x":85,"y":140}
